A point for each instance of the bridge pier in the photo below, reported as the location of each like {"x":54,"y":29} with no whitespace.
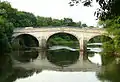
{"x":81,"y":43}
{"x":42,"y":42}
{"x":83,"y":49}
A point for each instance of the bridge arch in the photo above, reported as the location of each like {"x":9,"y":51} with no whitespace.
{"x":29,"y":35}
{"x":94,"y":48}
{"x":24,"y":48}
{"x":64,"y":57}
{"x":99,"y":36}
{"x":68,"y":33}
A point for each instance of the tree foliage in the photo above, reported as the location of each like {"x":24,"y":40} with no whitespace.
{"x":113,"y":28}
{"x":6,"y":29}
{"x":48,"y":21}
{"x":24,"y":19}
{"x":63,"y":39}
{"x":108,"y":8}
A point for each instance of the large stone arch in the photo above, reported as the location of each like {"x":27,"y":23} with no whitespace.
{"x":78,"y":52}
{"x":35,"y":38}
{"x":72,"y":34}
{"x":66,"y":32}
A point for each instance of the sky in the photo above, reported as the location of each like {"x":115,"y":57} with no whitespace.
{"x":58,"y":9}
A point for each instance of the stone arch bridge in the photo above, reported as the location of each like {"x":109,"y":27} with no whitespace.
{"x":43,"y":34}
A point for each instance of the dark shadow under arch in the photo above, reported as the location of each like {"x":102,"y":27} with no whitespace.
{"x":63,"y":57}
{"x":25,"y":48}
{"x":96,"y":45}
{"x":26,"y":36}
{"x":99,"y":38}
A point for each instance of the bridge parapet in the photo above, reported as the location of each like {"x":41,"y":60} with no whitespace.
{"x":47,"y":29}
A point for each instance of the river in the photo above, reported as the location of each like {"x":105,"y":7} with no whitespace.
{"x":60,"y":56}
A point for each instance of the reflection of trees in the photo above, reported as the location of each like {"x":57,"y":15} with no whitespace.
{"x":20,"y":73}
{"x":110,"y":72}
{"x":10,"y":74}
{"x":5,"y":67}
{"x":63,"y":57}
{"x":107,"y":53}
{"x":25,"y":56}
{"x":90,"y":54}
{"x":107,"y":58}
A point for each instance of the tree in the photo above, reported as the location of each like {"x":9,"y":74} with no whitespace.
{"x":56,"y":22}
{"x":79,"y":24}
{"x":44,"y":21}
{"x":84,"y":25}
{"x":91,"y":27}
{"x":113,"y":28}
{"x":69,"y":22}
{"x":107,"y":10}
{"x":6,"y":26}
{"x":24,"y":19}
{"x":6,"y":29}
{"x":17,"y":18}
{"x":6,"y":11}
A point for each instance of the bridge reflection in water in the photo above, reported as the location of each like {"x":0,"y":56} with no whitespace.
{"x":43,"y":62}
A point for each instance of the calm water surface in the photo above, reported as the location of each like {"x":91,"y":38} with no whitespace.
{"x":53,"y":76}
{"x":59,"y":56}
{"x":62,"y":53}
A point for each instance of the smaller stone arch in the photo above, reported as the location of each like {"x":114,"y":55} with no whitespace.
{"x":63,"y":57}
{"x":23,"y":49}
{"x":95,"y":47}
{"x":99,"y":35}
{"x":20,"y":35}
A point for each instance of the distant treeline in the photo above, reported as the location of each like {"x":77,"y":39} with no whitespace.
{"x":26,"y":19}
